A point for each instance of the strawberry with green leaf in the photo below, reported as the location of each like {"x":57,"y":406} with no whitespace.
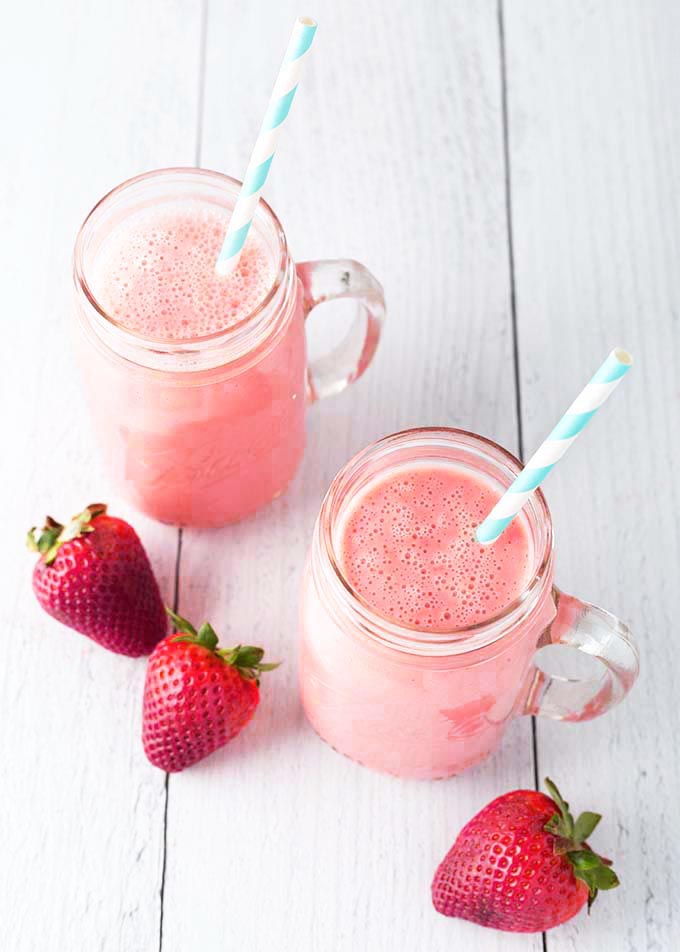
{"x":93,"y":575}
{"x":522,"y":864}
{"x":197,"y":696}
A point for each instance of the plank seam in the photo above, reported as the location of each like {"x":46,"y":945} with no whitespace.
{"x":203,"y":44}
{"x":175,"y":608}
{"x":507,"y":175}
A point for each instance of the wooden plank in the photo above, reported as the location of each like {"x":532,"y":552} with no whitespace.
{"x":594,"y":135}
{"x":393,"y":154}
{"x":93,"y":94}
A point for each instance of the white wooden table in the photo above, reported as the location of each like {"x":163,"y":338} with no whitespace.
{"x":510,"y":171}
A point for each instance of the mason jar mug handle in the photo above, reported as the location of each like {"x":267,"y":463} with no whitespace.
{"x":602,"y":637}
{"x":336,"y":280}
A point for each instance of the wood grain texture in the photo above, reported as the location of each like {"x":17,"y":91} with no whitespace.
{"x":594,"y":135}
{"x":393,"y":155}
{"x":85,"y":105}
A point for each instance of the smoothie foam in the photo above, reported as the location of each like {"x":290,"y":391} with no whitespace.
{"x":155,"y":273}
{"x":408,"y":547}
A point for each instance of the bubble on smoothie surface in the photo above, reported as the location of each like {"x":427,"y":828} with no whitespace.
{"x":155,"y":273}
{"x":408,"y":548}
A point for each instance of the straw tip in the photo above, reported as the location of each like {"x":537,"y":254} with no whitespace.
{"x":483,"y":536}
{"x":307,"y":21}
{"x":623,"y":356}
{"x":225,"y":266}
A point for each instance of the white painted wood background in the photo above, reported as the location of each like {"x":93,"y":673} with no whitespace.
{"x":510,"y":171}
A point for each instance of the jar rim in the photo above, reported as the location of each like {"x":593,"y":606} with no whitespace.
{"x":228,"y":335}
{"x":411,"y":638}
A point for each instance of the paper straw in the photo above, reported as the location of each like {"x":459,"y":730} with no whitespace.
{"x":258,"y":168}
{"x":582,"y":410}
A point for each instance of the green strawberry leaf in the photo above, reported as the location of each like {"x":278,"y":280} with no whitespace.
{"x":555,"y":825}
{"x":557,"y":796}
{"x":604,"y":877}
{"x":584,"y":859}
{"x":181,"y":624}
{"x":597,"y":878}
{"x":230,"y":655}
{"x":562,"y":823}
{"x":248,"y":656}
{"x":584,"y":876}
{"x":206,"y":636}
{"x":54,"y":534}
{"x":585,"y":825}
{"x":247,"y":659}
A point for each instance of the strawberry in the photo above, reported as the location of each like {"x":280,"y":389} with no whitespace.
{"x":197,"y":697}
{"x":94,"y":575}
{"x":521,"y":865}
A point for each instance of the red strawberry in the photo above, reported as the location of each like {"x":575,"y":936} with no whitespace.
{"x":94,"y":575}
{"x":197,"y":697}
{"x":520,"y":866}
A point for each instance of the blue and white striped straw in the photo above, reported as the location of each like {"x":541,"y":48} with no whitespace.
{"x":258,"y":168}
{"x":584,"y":407}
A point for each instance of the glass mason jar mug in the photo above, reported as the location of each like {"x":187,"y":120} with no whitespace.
{"x":431,"y":704}
{"x":203,"y":431}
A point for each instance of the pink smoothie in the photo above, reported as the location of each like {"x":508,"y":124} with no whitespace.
{"x":405,"y":544}
{"x":408,"y":548}
{"x":156,"y":275}
{"x":199,"y":447}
